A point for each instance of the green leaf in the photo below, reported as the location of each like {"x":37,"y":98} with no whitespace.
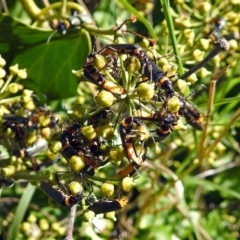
{"x":20,"y":211}
{"x":49,"y":66}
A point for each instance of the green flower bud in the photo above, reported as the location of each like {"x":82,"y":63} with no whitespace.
{"x":44,"y":121}
{"x":13,"y":88}
{"x":127,"y":184}
{"x":145,"y":90}
{"x":111,"y":215}
{"x":174,"y":104}
{"x":204,"y":72}
{"x":22,"y":73}
{"x":204,"y":43}
{"x":116,"y":153}
{"x":182,"y":85}
{"x":2,"y":61}
{"x":32,"y":218}
{"x":27,"y":93}
{"x":134,"y":65}
{"x":189,"y":33}
{"x":233,"y":44}
{"x":89,"y":132}
{"x":55,"y":146}
{"x":192,"y":78}
{"x":2,"y":73}
{"x":14,"y":69}
{"x":43,"y":224}
{"x":76,"y":163}
{"x":205,"y":7}
{"x":100,"y":61}
{"x":107,"y":189}
{"x":8,"y":171}
{"x":198,"y":55}
{"x":75,"y":188}
{"x":88,"y":216}
{"x":105,"y":99}
{"x":106,"y":131}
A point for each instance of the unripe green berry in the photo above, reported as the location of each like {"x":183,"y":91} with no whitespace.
{"x":105,"y":99}
{"x":145,"y":90}
{"x":107,"y":189}
{"x":75,"y":188}
{"x":127,"y":184}
{"x":89,"y":132}
{"x":76,"y":163}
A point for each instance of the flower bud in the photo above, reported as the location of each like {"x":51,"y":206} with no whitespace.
{"x":14,"y":69}
{"x":2,"y":73}
{"x":89,"y":132}
{"x":105,"y":99}
{"x":145,"y":90}
{"x":12,"y":88}
{"x":127,"y":184}
{"x":174,"y":104}
{"x":2,"y":61}
{"x":55,"y":146}
{"x":75,"y":188}
{"x":107,"y":189}
{"x":22,"y":73}
{"x":76,"y":163}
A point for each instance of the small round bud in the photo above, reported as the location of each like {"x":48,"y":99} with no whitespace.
{"x":198,"y":55}
{"x":145,"y":90}
{"x":88,"y":216}
{"x":2,"y":73}
{"x":105,"y":99}
{"x":182,"y":85}
{"x":8,"y":171}
{"x":204,"y":43}
{"x":233,"y":44}
{"x":75,"y":188}
{"x":43,"y":224}
{"x":76,"y":163}
{"x":55,"y":226}
{"x":134,"y":65}
{"x":127,"y":184}
{"x":204,"y":72}
{"x":13,"y":88}
{"x":44,"y":121}
{"x":111,"y":215}
{"x":100,"y":61}
{"x":192,"y":78}
{"x":116,"y":153}
{"x":174,"y":104}
{"x":107,"y":189}
{"x":2,"y":61}
{"x":205,"y":7}
{"x":22,"y":73}
{"x":32,"y":218}
{"x":106,"y":131}
{"x":55,"y":146}
{"x":89,"y":132}
{"x":189,"y":33}
{"x":14,"y":69}
{"x":27,"y":92}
